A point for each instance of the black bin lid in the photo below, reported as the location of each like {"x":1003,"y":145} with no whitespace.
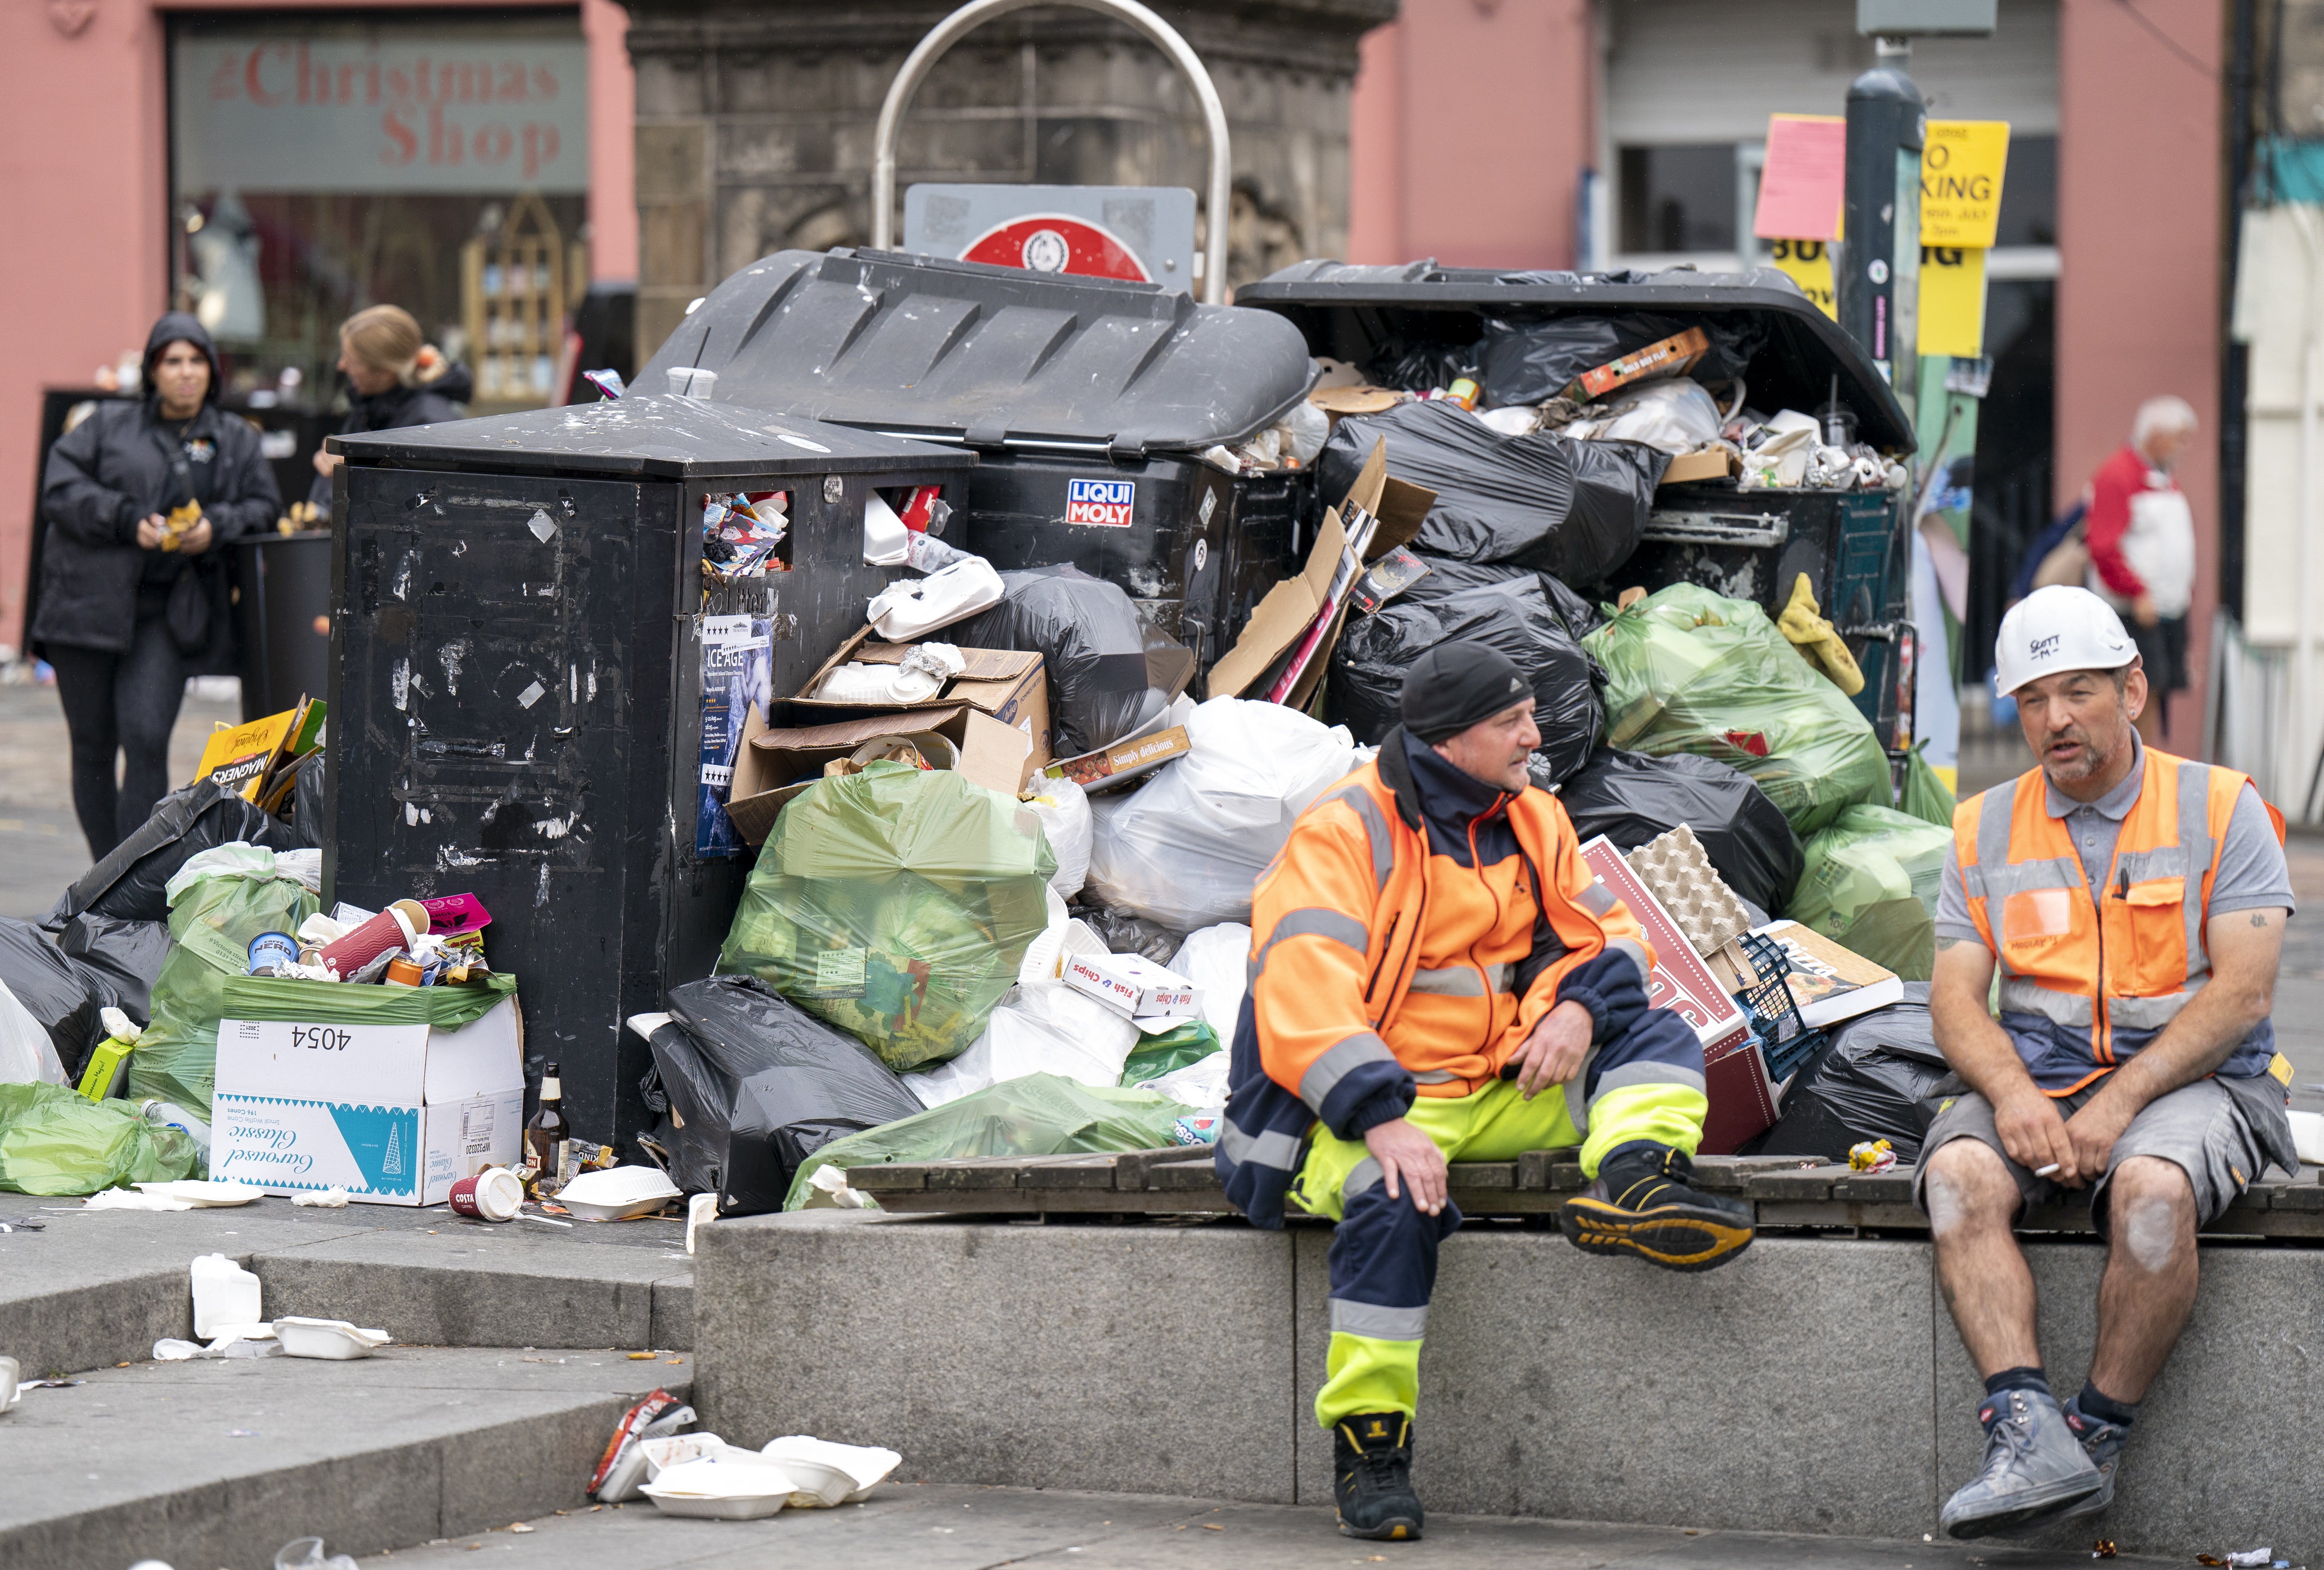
{"x":1349,"y":312}
{"x":991,"y":356}
{"x":649,"y":437}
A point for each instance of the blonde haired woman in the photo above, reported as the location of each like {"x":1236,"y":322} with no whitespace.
{"x":395,"y":378}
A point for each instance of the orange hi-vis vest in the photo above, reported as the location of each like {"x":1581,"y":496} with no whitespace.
{"x":2084,"y":983}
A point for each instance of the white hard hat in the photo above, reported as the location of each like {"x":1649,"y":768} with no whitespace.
{"x":2059,"y":628}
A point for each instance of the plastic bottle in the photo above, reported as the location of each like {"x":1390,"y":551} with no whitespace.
{"x":224,"y":1294}
{"x":169,"y":1115}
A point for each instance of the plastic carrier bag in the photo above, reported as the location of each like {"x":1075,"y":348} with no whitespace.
{"x":1040,"y":1028}
{"x":1185,"y":848}
{"x":1040,"y":1114}
{"x":54,"y":1142}
{"x":1576,"y":509}
{"x":896,"y":904}
{"x":1366,"y":690}
{"x":1690,"y":671}
{"x":1879,"y":1078}
{"x":219,"y":902}
{"x":758,"y":1086}
{"x":1109,"y":673}
{"x":1064,"y":808}
{"x":1630,"y":799}
{"x":1872,"y":858}
{"x":1925,"y":796}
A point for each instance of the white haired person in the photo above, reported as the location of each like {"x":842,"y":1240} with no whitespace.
{"x":2142,"y":541}
{"x":395,"y":378}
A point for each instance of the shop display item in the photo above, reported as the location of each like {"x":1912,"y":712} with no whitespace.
{"x":896,"y":904}
{"x":1692,"y":671}
{"x":1366,"y":689}
{"x":1631,"y":798}
{"x":1185,"y":848}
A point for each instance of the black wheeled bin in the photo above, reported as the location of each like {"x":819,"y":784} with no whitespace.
{"x":517,"y":692}
{"x":1747,"y":544}
{"x":1087,"y":401}
{"x":283,"y":619}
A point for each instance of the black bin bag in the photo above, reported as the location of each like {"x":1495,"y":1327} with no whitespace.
{"x":122,"y":956}
{"x":1575,"y":509}
{"x":1375,"y":653}
{"x":62,"y":995}
{"x":758,"y":1086}
{"x":132,"y":883}
{"x":1444,"y":579}
{"x":1109,"y":673}
{"x":1533,"y":362}
{"x":1880,"y":1077}
{"x":1631,"y":798}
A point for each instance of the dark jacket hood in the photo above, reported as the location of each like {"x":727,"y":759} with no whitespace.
{"x":177,"y":326}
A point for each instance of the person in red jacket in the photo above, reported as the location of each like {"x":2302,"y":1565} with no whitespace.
{"x":2142,"y":541}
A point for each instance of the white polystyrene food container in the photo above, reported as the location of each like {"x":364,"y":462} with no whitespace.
{"x":862,"y":1465}
{"x":729,"y":1485}
{"x":335,"y":1340}
{"x":618,"y":1193}
{"x":676,"y":1450}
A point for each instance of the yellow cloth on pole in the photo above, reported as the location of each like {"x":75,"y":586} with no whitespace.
{"x":1803,"y":623}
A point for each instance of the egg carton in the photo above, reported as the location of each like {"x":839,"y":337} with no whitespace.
{"x":1677,"y":871}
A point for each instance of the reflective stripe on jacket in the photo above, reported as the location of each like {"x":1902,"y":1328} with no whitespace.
{"x":2085,"y":985}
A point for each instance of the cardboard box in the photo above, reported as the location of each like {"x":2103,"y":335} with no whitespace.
{"x":1672,"y":356}
{"x":1109,"y":767}
{"x":394,"y":1113}
{"x":1290,"y":608}
{"x":774,"y":765}
{"x":1712,"y":463}
{"x":1133,"y":984}
{"x":1010,"y":686}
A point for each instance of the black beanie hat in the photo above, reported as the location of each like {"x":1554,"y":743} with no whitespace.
{"x":1455,"y":685}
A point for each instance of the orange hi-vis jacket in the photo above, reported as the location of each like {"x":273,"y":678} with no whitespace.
{"x":2085,"y":984}
{"x":1370,"y":953}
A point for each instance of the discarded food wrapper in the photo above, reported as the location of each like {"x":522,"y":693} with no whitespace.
{"x":727,"y":1485}
{"x":494,"y":1194}
{"x":619,"y":1194}
{"x":1202,"y":1129}
{"x":333,"y":1340}
{"x":1133,"y":986}
{"x":829,"y":1474}
{"x":1110,"y":767}
{"x":2251,"y":1560}
{"x":306,"y":1553}
{"x":205,"y":1195}
{"x":634,"y":1427}
{"x":651,"y":1452}
{"x":1871,"y":1156}
{"x":327,"y":1200}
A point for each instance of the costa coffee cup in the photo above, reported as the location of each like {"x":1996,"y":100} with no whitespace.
{"x":494,"y":1194}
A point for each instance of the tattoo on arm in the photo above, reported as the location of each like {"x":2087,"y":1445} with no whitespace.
{"x":1943,"y":943}
{"x":2259,"y":917}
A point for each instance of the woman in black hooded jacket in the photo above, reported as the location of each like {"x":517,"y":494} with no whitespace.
{"x":132,"y":599}
{"x":396,"y":379}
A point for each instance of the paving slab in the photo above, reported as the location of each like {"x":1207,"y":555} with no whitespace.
{"x":217,"y":1463}
{"x":938,"y":1526}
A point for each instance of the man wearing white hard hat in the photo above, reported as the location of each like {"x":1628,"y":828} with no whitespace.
{"x":2134,"y":904}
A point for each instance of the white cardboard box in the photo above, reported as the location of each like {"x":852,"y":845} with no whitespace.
{"x":394,"y":1113}
{"x":1134,"y":984}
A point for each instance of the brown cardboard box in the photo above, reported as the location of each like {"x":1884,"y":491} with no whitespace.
{"x":1291,"y":606}
{"x":1012,"y":687}
{"x":1712,"y":463}
{"x":772,"y":766}
{"x":1123,"y":761}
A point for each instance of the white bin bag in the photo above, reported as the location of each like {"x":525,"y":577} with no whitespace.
{"x":1217,"y":959}
{"x":1063,"y":809}
{"x":1185,"y":849}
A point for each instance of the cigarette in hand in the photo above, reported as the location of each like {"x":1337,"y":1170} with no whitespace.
{"x":2045,"y":1171}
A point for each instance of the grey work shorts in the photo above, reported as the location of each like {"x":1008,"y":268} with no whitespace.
{"x":2222,"y":1132}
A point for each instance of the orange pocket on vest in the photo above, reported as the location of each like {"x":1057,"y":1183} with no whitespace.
{"x":2154,"y":926}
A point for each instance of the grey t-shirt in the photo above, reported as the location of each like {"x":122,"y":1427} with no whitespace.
{"x":2253,"y":873}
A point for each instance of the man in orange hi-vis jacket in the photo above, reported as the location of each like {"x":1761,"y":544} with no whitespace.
{"x":1437,"y":975}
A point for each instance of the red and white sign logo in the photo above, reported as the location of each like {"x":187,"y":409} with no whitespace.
{"x":1057,"y":243}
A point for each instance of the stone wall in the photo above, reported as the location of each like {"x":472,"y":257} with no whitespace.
{"x":755,"y":121}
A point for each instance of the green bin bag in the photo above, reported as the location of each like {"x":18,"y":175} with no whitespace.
{"x":897,"y":904}
{"x":1925,"y":795}
{"x":219,"y":902}
{"x":1692,"y":671}
{"x":1870,"y":884}
{"x":1040,"y":1114}
{"x":55,"y":1142}
{"x":298,"y":1000}
{"x":1155,"y":1056}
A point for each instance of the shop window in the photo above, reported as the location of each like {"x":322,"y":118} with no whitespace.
{"x":1678,"y":199}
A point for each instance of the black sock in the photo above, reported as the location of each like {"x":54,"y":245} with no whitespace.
{"x":2093,"y":1402}
{"x":2017,"y":1379}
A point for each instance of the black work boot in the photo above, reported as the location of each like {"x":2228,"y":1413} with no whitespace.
{"x":1645,"y":1203}
{"x":1372,"y":1476}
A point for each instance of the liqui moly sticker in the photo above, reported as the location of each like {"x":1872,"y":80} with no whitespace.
{"x":1105,"y":503}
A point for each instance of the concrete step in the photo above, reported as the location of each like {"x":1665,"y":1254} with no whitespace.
{"x":937,"y":1527}
{"x":97,"y":1288}
{"x":211,"y":1464}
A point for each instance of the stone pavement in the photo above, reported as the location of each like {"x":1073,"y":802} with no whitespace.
{"x":41,"y":845}
{"x":934,"y":1526}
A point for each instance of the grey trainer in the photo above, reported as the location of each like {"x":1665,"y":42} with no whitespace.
{"x":2102,"y":1443}
{"x":2034,"y":1466}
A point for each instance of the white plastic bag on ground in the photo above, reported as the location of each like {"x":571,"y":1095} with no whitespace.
{"x":1040,"y":1028}
{"x":1063,"y":809}
{"x":27,"y":1056}
{"x":1217,"y":959}
{"x":1201,"y":1085}
{"x":912,"y":607}
{"x":1185,"y":849}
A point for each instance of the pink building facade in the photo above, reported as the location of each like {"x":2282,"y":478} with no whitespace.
{"x":87,"y":146}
